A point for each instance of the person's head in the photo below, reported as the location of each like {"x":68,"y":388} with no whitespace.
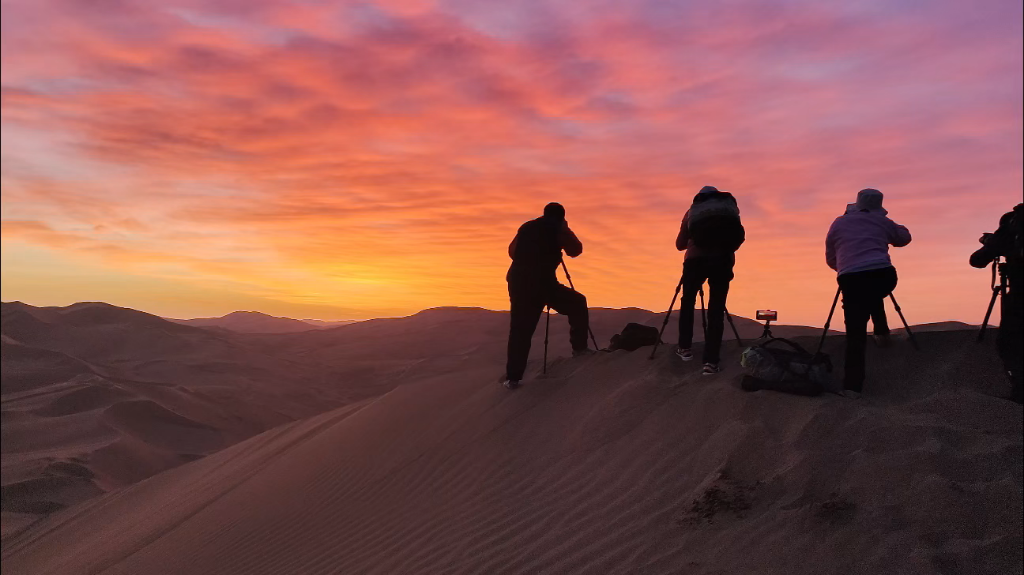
{"x":1007,"y":219}
{"x":554,"y":211}
{"x":868,"y":200}
{"x":704,"y":193}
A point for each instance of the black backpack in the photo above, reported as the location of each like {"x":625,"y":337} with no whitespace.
{"x":714,"y":222}
{"x":634,"y":336}
{"x":782,"y":365}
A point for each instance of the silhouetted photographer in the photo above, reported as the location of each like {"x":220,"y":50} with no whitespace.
{"x":1004,"y":251}
{"x":536,"y":253}
{"x":857,"y":247}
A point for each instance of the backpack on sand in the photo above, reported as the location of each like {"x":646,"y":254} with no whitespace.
{"x":634,"y":336}
{"x":790,"y":369}
{"x":714,"y":222}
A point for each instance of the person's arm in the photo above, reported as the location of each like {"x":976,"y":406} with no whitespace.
{"x":570,"y":243}
{"x":830,"y":247}
{"x":512,"y":247}
{"x":899,"y":236}
{"x":684,"y":235}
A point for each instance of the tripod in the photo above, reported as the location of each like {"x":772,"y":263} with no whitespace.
{"x":703,"y":318}
{"x":728,"y":316}
{"x":998,"y":268}
{"x":899,"y":310}
{"x":573,"y":288}
{"x":547,"y":330}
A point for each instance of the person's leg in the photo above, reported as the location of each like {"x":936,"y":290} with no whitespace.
{"x":693,"y":278}
{"x":882,"y":282}
{"x":886,"y":283}
{"x":718,"y":286}
{"x":573,"y":304}
{"x":856,"y":309}
{"x":879,"y":323}
{"x":525,"y":311}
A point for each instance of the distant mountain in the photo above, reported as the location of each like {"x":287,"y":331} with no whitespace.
{"x":327,"y":324}
{"x":257,"y":322}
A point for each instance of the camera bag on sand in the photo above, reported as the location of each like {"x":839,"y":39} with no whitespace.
{"x":782,"y":365}
{"x":634,"y":336}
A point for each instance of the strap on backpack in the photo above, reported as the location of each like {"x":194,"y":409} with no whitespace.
{"x":797,"y":347}
{"x":811,"y":359}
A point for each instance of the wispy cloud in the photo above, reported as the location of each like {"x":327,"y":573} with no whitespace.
{"x":380,"y":155}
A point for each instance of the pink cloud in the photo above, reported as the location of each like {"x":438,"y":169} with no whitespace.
{"x":400,"y":144}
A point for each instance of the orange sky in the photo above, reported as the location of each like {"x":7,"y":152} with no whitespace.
{"x":349,"y":160}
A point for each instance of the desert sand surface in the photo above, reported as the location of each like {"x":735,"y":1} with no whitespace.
{"x":97,"y":397}
{"x":420,"y":462}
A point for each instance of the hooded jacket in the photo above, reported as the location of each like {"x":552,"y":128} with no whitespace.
{"x":859,"y":241}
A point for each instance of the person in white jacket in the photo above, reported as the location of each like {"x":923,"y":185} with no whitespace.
{"x":857,"y":247}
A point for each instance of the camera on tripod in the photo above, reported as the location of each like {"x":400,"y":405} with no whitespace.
{"x":767,"y":316}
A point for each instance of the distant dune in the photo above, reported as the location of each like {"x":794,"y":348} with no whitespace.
{"x":387,"y":446}
{"x":326,"y":324}
{"x":257,"y":322}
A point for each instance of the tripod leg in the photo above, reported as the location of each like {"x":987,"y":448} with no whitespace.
{"x":910,"y":334}
{"x":732,"y":324}
{"x":568,"y":278}
{"x":668,"y":314}
{"x":547,"y":330}
{"x":703,"y":313}
{"x":828,"y":321}
{"x":988,"y":312}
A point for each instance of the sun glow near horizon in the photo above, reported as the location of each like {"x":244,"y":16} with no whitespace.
{"x":355,"y":160}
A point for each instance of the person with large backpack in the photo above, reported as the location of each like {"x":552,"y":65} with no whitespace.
{"x":1008,"y":242}
{"x":536,"y":253}
{"x":857,"y":248}
{"x":710,"y":234}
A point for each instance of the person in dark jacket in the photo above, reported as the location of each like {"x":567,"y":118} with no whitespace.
{"x":857,"y":247}
{"x":536,"y":253}
{"x":1006,"y":243}
{"x":710,"y":234}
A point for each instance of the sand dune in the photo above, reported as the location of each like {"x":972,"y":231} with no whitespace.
{"x":26,"y":367}
{"x":256,"y":322}
{"x":612,"y":464}
{"x":126,"y":394}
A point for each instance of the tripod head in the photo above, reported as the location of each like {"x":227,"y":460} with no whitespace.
{"x":999,"y":283}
